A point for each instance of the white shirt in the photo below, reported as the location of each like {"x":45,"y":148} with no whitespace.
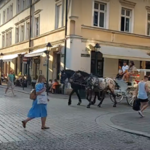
{"x":124,"y":68}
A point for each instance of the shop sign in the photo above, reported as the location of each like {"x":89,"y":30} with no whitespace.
{"x":25,"y":60}
{"x":37,"y":61}
{"x":85,"y":55}
{"x":45,"y":62}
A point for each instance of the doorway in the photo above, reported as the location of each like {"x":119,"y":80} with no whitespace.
{"x":97,"y":62}
{"x":58,"y":65}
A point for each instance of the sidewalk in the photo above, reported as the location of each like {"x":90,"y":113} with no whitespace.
{"x":129,"y":122}
{"x":28,"y":89}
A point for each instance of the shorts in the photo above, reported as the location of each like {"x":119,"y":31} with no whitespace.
{"x":143,"y":100}
{"x":10,"y":85}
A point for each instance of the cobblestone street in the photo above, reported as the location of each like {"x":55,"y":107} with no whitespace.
{"x":71,"y":127}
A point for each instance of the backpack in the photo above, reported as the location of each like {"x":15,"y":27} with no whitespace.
{"x":33,"y":94}
{"x":136,"y":104}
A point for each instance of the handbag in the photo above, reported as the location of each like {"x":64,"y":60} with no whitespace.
{"x":42,"y":98}
{"x":136,"y":104}
{"x":33,"y":94}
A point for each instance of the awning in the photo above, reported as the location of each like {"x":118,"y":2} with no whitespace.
{"x":38,"y":52}
{"x":8,"y":58}
{"x":124,"y":53}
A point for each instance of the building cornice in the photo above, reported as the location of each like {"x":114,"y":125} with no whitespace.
{"x":73,"y":17}
{"x":115,"y":31}
{"x":127,"y":3}
{"x":116,"y":44}
{"x":37,"y":11}
{"x":148,"y":8}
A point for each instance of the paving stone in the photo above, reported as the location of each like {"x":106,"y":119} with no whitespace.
{"x":71,"y":128}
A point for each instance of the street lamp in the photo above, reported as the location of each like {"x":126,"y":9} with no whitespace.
{"x":96,"y":48}
{"x":48,"y":46}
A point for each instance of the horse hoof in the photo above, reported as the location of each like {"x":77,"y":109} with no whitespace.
{"x":114,"y":105}
{"x":79,"y":104}
{"x":88,"y":106}
{"x":99,"y":106}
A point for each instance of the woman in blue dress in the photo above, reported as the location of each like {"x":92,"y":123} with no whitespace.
{"x":38,"y":110}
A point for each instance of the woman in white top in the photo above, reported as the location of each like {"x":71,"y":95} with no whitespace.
{"x":131,"y":71}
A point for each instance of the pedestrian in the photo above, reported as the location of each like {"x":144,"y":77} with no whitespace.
{"x":141,"y":93}
{"x":10,"y":83}
{"x":39,"y":109}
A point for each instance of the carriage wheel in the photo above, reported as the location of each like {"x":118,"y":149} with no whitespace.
{"x":129,"y":98}
{"x":119,"y":98}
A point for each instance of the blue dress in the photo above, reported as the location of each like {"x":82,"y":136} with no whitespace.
{"x":38,"y":110}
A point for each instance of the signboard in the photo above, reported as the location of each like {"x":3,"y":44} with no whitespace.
{"x":37,"y":61}
{"x":25,"y":60}
{"x":85,"y":55}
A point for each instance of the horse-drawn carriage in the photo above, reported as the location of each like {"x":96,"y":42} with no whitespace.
{"x":125,"y":90}
{"x":98,"y":87}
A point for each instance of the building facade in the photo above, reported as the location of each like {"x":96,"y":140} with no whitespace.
{"x":120,"y":27}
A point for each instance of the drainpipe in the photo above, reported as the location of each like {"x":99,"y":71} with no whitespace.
{"x":66,"y":28}
{"x":30,"y":35}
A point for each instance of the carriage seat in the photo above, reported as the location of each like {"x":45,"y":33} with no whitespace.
{"x":134,"y":77}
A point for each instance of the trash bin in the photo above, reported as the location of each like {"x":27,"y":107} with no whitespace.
{"x":82,"y":93}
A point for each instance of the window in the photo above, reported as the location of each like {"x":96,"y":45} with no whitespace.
{"x":18,"y":6}
{"x":59,"y":17}
{"x":8,"y":14}
{"x":4,"y":17}
{"x":11,"y":10}
{"x":0,"y":19}
{"x":24,"y":2}
{"x":148,"y":24}
{"x":17,"y":35}
{"x":125,"y":20}
{"x":3,"y":40}
{"x":99,"y":14}
{"x":37,"y":28}
{"x":7,"y":39}
{"x":22,"y":33}
{"x":27,"y":30}
{"x":10,"y":38}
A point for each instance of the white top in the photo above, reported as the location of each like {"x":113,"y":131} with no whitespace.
{"x":124,"y":68}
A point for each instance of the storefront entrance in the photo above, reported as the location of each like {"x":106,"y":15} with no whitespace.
{"x":56,"y":65}
{"x":97,"y":62}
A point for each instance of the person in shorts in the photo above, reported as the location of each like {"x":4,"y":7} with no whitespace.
{"x":10,"y":83}
{"x":141,"y":93}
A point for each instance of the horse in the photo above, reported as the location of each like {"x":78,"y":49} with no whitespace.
{"x":103,"y":85}
{"x":77,"y":81}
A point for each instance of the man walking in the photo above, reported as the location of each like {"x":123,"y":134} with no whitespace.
{"x":141,"y":93}
{"x":10,"y":83}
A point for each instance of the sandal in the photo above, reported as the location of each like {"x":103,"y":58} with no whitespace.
{"x":44,"y":128}
{"x":24,"y":124}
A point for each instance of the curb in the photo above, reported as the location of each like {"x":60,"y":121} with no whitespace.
{"x":106,"y":120}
